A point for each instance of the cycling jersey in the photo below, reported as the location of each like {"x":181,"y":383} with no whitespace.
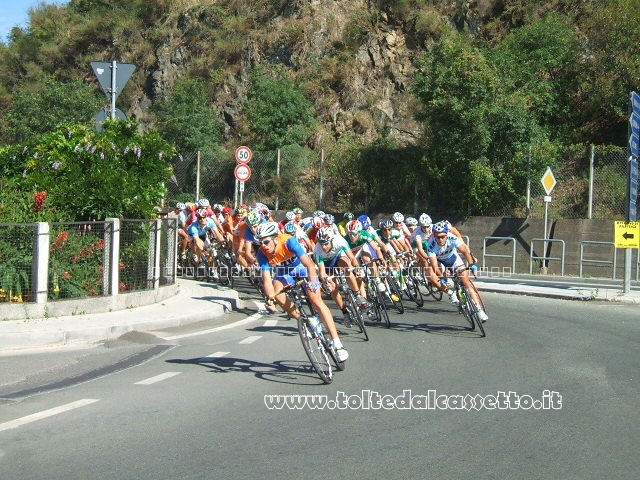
{"x":446,"y":254}
{"x":197,"y":230}
{"x":339,"y":247}
{"x":285,"y":259}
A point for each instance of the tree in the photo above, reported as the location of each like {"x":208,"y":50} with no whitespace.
{"x":185,"y":119}
{"x":476,"y":128}
{"x":277,"y":112}
{"x":93,"y":175}
{"x":38,"y":109}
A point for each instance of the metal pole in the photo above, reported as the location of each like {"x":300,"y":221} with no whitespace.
{"x":235,"y":195}
{"x":278,"y":175}
{"x":198,"y":176}
{"x":113,"y":89}
{"x":321,"y":200}
{"x":591,"y":161}
{"x":544,"y":256}
{"x":529,"y":183}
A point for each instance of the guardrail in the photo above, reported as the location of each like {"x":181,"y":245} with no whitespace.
{"x":544,"y":258}
{"x":596,"y":261}
{"x":512,"y":256}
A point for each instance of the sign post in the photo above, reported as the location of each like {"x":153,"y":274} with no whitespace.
{"x":112,"y":76}
{"x":242,"y":172}
{"x":548,"y":181}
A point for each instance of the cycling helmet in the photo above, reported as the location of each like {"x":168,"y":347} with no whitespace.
{"x":241,"y":211}
{"x":290,"y":216}
{"x":318,"y":213}
{"x":203,"y":202}
{"x":201,"y":212}
{"x":411,"y":222}
{"x":297,"y":211}
{"x":253,"y":218}
{"x":386,"y":223}
{"x":348,"y":216}
{"x":329,"y":219}
{"x":354,"y":226}
{"x":290,"y":228}
{"x":227,"y":210}
{"x":440,"y":227}
{"x":425,"y":220}
{"x":380,"y":223}
{"x":398,"y":217}
{"x":267,"y":229}
{"x":317,"y":222}
{"x":325,"y":234}
{"x":180,"y":206}
{"x":217,"y":207}
{"x":364,"y":221}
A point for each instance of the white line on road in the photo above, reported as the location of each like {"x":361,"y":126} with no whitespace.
{"x":271,"y":323}
{"x":157,"y":378}
{"x":250,"y":319}
{"x":250,"y":340}
{"x":216,"y":355}
{"x":47,"y":413}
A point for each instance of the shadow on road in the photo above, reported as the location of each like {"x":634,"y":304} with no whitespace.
{"x":282,"y":371}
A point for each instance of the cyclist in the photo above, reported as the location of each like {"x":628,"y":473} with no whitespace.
{"x":292,"y":229}
{"x":342,"y":226}
{"x":288,"y":217}
{"x":298,"y":216}
{"x":445,"y":248}
{"x":284,"y":253}
{"x":332,"y":252}
{"x":365,"y":247}
{"x":198,"y":231}
{"x":183,"y":212}
{"x":420,"y":239}
{"x":398,"y":222}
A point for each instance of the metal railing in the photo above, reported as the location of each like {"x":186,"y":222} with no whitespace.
{"x":498,"y":255}
{"x":596,"y":261}
{"x":544,"y":258}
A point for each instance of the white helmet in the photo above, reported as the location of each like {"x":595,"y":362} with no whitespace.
{"x":398,"y":217}
{"x":411,"y":222}
{"x":425,"y":220}
{"x":267,"y":229}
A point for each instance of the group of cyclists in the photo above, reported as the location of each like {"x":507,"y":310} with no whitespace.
{"x":314,"y":246}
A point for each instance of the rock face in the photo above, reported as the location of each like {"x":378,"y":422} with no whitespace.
{"x":362,"y":55}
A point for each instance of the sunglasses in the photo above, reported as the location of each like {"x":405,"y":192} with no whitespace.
{"x":266,"y":242}
{"x":441,"y":236}
{"x":325,"y":243}
{"x":386,"y":228}
{"x":352,"y":234}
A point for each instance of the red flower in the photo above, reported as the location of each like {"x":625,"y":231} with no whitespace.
{"x":38,"y":201}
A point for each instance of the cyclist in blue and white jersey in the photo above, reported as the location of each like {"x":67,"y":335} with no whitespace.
{"x":292,"y":229}
{"x":445,"y":248}
{"x":420,"y":239}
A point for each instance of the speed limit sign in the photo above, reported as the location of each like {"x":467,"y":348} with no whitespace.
{"x":243,"y":154}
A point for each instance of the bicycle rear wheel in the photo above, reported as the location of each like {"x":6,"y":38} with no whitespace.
{"x":381,"y":308}
{"x":413,"y":290}
{"x":315,"y":349}
{"x":395,"y":293}
{"x":355,"y":313}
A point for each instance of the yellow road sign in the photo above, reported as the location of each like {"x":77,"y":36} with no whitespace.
{"x":548,"y":181}
{"x":627,"y":234}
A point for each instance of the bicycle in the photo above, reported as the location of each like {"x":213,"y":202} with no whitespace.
{"x":393,"y":293}
{"x":407,"y":276}
{"x":467,"y":306}
{"x":375,"y":296}
{"x":350,"y":302}
{"x":314,"y":336}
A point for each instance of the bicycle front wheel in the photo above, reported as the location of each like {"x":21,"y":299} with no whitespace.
{"x":315,"y":349}
{"x":356,"y":314}
{"x":413,"y":290}
{"x":474,"y":309}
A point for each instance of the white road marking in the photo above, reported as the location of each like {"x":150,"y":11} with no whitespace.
{"x":157,"y":378}
{"x":271,"y":323}
{"x":46,"y":413}
{"x":249,"y":319}
{"x":250,"y":340}
{"x":217,"y":355}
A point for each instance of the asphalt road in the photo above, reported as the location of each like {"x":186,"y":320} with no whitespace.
{"x":187,"y":404}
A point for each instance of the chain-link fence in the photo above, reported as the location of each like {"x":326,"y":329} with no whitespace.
{"x":282,"y":179}
{"x":16,"y":261}
{"x":591,"y":183}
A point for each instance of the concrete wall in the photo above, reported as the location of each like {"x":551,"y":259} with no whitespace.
{"x":572,"y":231}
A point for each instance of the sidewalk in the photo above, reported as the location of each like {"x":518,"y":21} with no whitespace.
{"x":198,"y":301}
{"x":195,"y":302}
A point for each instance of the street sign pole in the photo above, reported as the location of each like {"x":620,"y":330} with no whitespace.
{"x":548,"y":181}
{"x":113,"y":89}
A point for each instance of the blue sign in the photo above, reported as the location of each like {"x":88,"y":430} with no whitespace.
{"x":634,"y":145}
{"x":635,"y":102}
{"x":633,"y":189}
{"x":634,"y":122}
